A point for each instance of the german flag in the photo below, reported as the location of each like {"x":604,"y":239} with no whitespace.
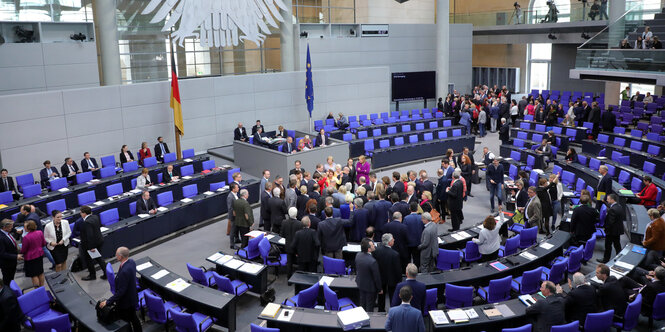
{"x":175,"y":97}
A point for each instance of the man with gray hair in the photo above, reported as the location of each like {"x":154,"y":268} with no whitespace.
{"x":389,"y":267}
{"x":580,"y":300}
{"x":547,"y":311}
{"x":455,"y":194}
{"x":504,"y":132}
{"x":429,"y":244}
{"x":329,"y":202}
{"x":399,"y":232}
{"x":244,"y":216}
{"x":231,"y":229}
{"x":277,"y":211}
{"x":418,"y":288}
{"x":359,"y":221}
{"x":9,"y":249}
{"x":305,"y":247}
{"x":288,"y":231}
{"x":125,"y":297}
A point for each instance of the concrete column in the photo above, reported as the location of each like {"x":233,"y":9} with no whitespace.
{"x":442,"y":47}
{"x":286,"y":38}
{"x":106,"y":31}
{"x":617,"y":30}
{"x":612,"y":93}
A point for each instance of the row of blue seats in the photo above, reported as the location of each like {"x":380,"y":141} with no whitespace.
{"x":394,"y":130}
{"x":376,"y":118}
{"x":566,"y":96}
{"x":413,"y":139}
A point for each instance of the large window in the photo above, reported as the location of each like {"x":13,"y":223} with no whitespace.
{"x":325,"y":11}
{"x":540,"y":58}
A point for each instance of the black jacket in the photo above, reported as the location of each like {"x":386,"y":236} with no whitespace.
{"x":277,"y":210}
{"x":649,"y":292}
{"x":331,"y":233}
{"x":143,"y":208}
{"x":398,"y":187}
{"x":288,"y":231}
{"x":455,"y":196}
{"x":159,"y":154}
{"x":84,"y":165}
{"x":301,"y":205}
{"x":265,"y":206}
{"x":399,"y":233}
{"x":504,"y":132}
{"x":10,"y":312}
{"x":614,"y":220}
{"x":368,"y":277}
{"x":91,"y":234}
{"x":605,"y":184}
{"x":8,"y":253}
{"x":64,"y":170}
{"x":306,"y":245}
{"x":545,"y":202}
{"x":389,"y":265}
{"x":166,"y":178}
{"x":125,"y":295}
{"x":580,"y":301}
{"x":612,"y":296}
{"x":239,"y":134}
{"x":583,"y":222}
{"x":548,"y":312}
{"x":123,"y":159}
{"x":608,"y":121}
{"x":10,"y":184}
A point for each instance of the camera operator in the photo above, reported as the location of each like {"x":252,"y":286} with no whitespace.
{"x":552,"y":15}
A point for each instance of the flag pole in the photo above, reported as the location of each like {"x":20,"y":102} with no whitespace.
{"x":177,"y":132}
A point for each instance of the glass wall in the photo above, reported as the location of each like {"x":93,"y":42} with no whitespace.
{"x":540,"y":59}
{"x":325,"y":11}
{"x":46,"y":10}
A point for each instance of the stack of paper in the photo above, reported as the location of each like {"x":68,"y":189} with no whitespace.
{"x":177,"y":285}
{"x":250,"y":268}
{"x":282,"y":241}
{"x":62,"y":190}
{"x":214,"y":257}
{"x":353,"y":318}
{"x":223,"y":259}
{"x":159,"y":274}
{"x":186,"y":177}
{"x":208,"y":193}
{"x":438,"y":317}
{"x":458,"y":236}
{"x":143,"y":266}
{"x":471,"y":313}
{"x":271,"y":310}
{"x":103,"y":229}
{"x":326,"y":280}
{"x":527,"y":300}
{"x":135,"y":191}
{"x":528,"y":255}
{"x":234,"y":264}
{"x":546,"y":245}
{"x":254,"y":234}
{"x":162,"y":209}
{"x":100,"y":203}
{"x":153,"y":187}
{"x":465,"y":234}
{"x":144,"y":215}
{"x":186,"y":200}
{"x":188,"y":160}
{"x":458,"y":316}
{"x":351,"y":248}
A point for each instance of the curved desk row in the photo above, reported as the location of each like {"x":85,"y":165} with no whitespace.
{"x":70,"y":195}
{"x":338,"y":134}
{"x":561,"y":140}
{"x":576,"y":134}
{"x":505,"y":150}
{"x":421,"y":150}
{"x":357,"y":146}
{"x":195,"y":297}
{"x":637,"y":158}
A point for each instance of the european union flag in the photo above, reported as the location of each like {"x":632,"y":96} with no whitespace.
{"x":309,"y":85}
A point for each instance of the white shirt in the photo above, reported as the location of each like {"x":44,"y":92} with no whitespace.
{"x":489,"y":241}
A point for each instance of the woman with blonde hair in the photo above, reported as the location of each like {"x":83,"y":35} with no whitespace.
{"x":143,"y":180}
{"x":305,"y":144}
{"x":144,"y":152}
{"x":330,"y":164}
{"x":362,"y":168}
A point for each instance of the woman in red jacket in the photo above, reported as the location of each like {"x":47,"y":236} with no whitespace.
{"x":32,"y":251}
{"x":144,"y":152}
{"x":649,"y":193}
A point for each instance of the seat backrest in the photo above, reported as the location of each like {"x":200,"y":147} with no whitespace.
{"x":150,"y":161}
{"x":499,"y":289}
{"x":630,"y":318}
{"x":183,"y":321}
{"x":392,"y":130}
{"x":558,"y":270}
{"x":59,"y":205}
{"x":165,"y":198}
{"x":130,"y":166}
{"x":636,"y":132}
{"x":208,"y":164}
{"x":530,"y":160}
{"x":575,"y":260}
{"x":528,"y":236}
{"x":420,"y":126}
{"x":636,"y":184}
{"x":34,"y":302}
{"x":109,"y":217}
{"x":611,"y":169}
{"x":223,"y":283}
{"x":217,"y":185}
{"x":458,"y":132}
{"x":384,"y":143}
{"x":6,"y":197}
{"x":433,"y":125}
{"x":57,"y":323}
{"x":624,"y":177}
{"x":169,"y":157}
{"x":187,"y":170}
{"x":601,"y":321}
{"x":58,"y":183}
{"x":106,"y":172}
{"x":589,"y":246}
{"x":649,"y":167}
{"x":413,"y":138}
{"x":568,"y":178}
{"x":448,"y":259}
{"x":406,"y":128}
{"x":114,"y":189}
{"x":376,"y":132}
{"x":522,"y":135}
{"x":594,"y":164}
{"x":83,"y":177}
{"x":524,"y":328}
{"x":87,"y":197}
{"x":620,"y":141}
{"x":512,"y":171}
{"x":602,"y":138}
{"x":511,"y":245}
{"x":110,"y":276}
{"x":556,"y":169}
{"x":570,"y":327}
{"x":25,"y":179}
{"x":32,"y":190}
{"x":636,"y":145}
{"x":659,"y":307}
{"x":190,"y":190}
{"x":369,"y":144}
{"x":515,"y":155}
{"x":333,"y":265}
{"x":155,"y":306}
{"x":362,"y":134}
{"x":332,"y":302}
{"x":197,"y":275}
{"x":518,"y":142}
{"x":442,"y":134}
{"x":428,"y":137}
{"x":307,"y":297}
{"x":347,"y":137}
{"x":447,"y":123}
{"x":399,"y":140}
{"x":189,"y":153}
{"x":458,"y":296}
{"x":132,"y":208}
{"x":108,"y":161}
{"x":580,"y":184}
{"x":653,"y":150}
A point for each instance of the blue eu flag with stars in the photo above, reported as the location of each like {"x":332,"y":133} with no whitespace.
{"x":309,"y":85}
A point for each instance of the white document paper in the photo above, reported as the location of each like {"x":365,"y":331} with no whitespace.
{"x":144,"y":215}
{"x":153,"y":187}
{"x":270,"y":236}
{"x":223,"y":259}
{"x":254,"y":233}
{"x":103,"y":229}
{"x":250,"y":268}
{"x":438,"y":317}
{"x":159,"y":274}
{"x":465,"y":234}
{"x":285,"y":315}
{"x":100,"y":203}
{"x":62,"y":190}
{"x":351,"y":316}
{"x":457,"y":236}
{"x":94,"y":254}
{"x":162,"y":209}
{"x":214,"y":257}
{"x":439,"y":240}
{"x":188,"y":160}
{"x":624,"y":265}
{"x":471,"y":313}
{"x":208,"y":193}
{"x":528,"y":255}
{"x":546,"y":245}
{"x":234,"y":264}
{"x":135,"y":191}
{"x":282,"y":241}
{"x":457,"y":314}
{"x":143,"y":266}
{"x":326,"y":280}
{"x":186,"y":200}
{"x":351,"y":248}
{"x":177,"y":285}
{"x":186,"y":177}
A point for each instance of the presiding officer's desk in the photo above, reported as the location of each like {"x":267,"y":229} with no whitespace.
{"x":78,"y":304}
{"x":195,"y":297}
{"x":639,"y":220}
{"x":257,"y":279}
{"x":70,"y":194}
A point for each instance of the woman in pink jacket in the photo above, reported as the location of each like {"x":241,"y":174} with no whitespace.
{"x":362,"y":169}
{"x":33,"y":253}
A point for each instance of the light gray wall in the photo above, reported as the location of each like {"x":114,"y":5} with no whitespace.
{"x":56,"y":124}
{"x":47,"y":66}
{"x":563,"y":59}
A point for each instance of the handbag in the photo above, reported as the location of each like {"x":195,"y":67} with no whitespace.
{"x":436,"y":216}
{"x":518,"y":218}
{"x":274,"y":254}
{"x":106,"y":315}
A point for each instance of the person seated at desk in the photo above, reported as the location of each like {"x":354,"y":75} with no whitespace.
{"x":305,"y":144}
{"x":48,"y":173}
{"x":257,"y":138}
{"x":322,"y":139}
{"x":88,"y":164}
{"x":571,"y":156}
{"x":652,"y":285}
{"x":342,"y":122}
{"x":648,"y":193}
{"x":240,"y":134}
{"x":610,"y":292}
{"x":170,"y":174}
{"x":161,"y":148}
{"x":7,"y":183}
{"x":126,"y":156}
{"x":144,"y":152}
{"x":288,"y":146}
{"x":580,"y":300}
{"x":257,"y":126}
{"x":69,"y":169}
{"x":145,"y":204}
{"x":281,"y":132}
{"x":405,"y":317}
{"x":143,"y":180}
{"x":549,"y":311}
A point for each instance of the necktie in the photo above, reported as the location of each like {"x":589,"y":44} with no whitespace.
{"x":6,"y":184}
{"x":49,"y":172}
{"x":13,"y":241}
{"x":71,"y":168}
{"x":161,"y":148}
{"x":90,"y":163}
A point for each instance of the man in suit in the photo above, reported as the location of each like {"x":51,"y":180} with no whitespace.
{"x":10,"y":311}
{"x":654,"y":285}
{"x":169,"y":174}
{"x":297,"y":167}
{"x":278,"y":210}
{"x":91,"y":241}
{"x":161,"y":148}
{"x":398,"y":187}
{"x":29,"y":212}
{"x":399,"y":232}
{"x":314,"y":220}
{"x":583,"y":221}
{"x":609,"y":120}
{"x":331,"y":234}
{"x":381,"y":214}
{"x":549,"y":311}
{"x":594,"y":117}
{"x":305,"y":247}
{"x":613,"y":228}
{"x":604,"y":185}
{"x":455,"y":194}
{"x":258,"y":138}
{"x":257,"y":126}
{"x":359,"y":221}
{"x":288,"y":231}
{"x":69,"y":169}
{"x":610,"y":293}
{"x":7,"y":183}
{"x":329,"y":201}
{"x":533,"y":210}
{"x":424,"y":184}
{"x":301,"y":202}
{"x":88,"y":164}
{"x":580,"y":300}
{"x":265,"y":178}
{"x":368,"y":277}
{"x":266,"y":194}
{"x":414,"y":230}
{"x":145,"y":204}
{"x":289,"y":146}
{"x":48,"y":173}
{"x":494,"y":176}
{"x":405,"y":317}
{"x":418,"y":289}
{"x":389,"y":267}
{"x":243,"y":215}
{"x":411,"y":194}
{"x":240,"y":134}
{"x":504,"y":132}
{"x":429,"y":244}
{"x":322,"y":139}
{"x":399,"y":205}
{"x":290,"y":196}
{"x":9,"y":252}
{"x":125,"y":297}
{"x":545,"y":149}
{"x":231,"y":229}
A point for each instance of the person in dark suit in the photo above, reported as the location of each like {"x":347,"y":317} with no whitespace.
{"x":399,"y":232}
{"x":9,"y":254}
{"x":69,"y":169}
{"x":655,"y":285}
{"x":305,"y":246}
{"x":125,"y":155}
{"x":91,"y":241}
{"x":257,"y":126}
{"x":301,"y":202}
{"x":580,"y":300}
{"x":288,"y":231}
{"x":609,"y":120}
{"x":265,"y":207}
{"x":161,"y":148}
{"x":455,"y":194}
{"x":549,"y":311}
{"x":331,"y":233}
{"x":399,"y":204}
{"x":504,"y":132}
{"x":48,"y":173}
{"x":289,"y":146}
{"x":10,"y":312}
{"x":429,"y":244}
{"x":368,"y":277}
{"x":7,"y":182}
{"x":281,"y":132}
{"x":398,"y":187}
{"x":145,"y":204}
{"x":277,"y":210}
{"x":613,"y":228}
{"x":583,"y":221}
{"x":257,"y":139}
{"x":424,"y":184}
{"x":125,"y":297}
{"x":389,"y":267}
{"x":170,"y":174}
{"x":244,"y":217}
{"x":88,"y":164}
{"x":313,"y":218}
{"x":405,"y":317}
{"x":594,"y":117}
{"x":240,"y":134}
{"x":610,"y":292}
{"x":297,"y":167}
{"x":359,"y":221}
{"x":418,"y":289}
{"x":381,"y":214}
{"x":231,"y":229}
{"x":604,"y":185}
{"x":322,"y":139}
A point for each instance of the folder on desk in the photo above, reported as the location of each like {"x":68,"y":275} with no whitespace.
{"x":458,"y":316}
{"x":270,"y":310}
{"x":498,"y":266}
{"x":353,"y":319}
{"x":438,"y":317}
{"x":491,"y":313}
{"x":600,"y":196}
{"x":639,"y":250}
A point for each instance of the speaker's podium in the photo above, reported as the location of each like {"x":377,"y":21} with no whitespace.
{"x":253,"y":158}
